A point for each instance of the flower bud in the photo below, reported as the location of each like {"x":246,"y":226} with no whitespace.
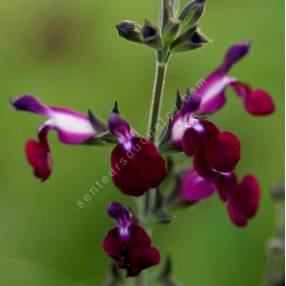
{"x":191,"y":14}
{"x":170,"y":31}
{"x":130,"y":31}
{"x":190,"y":40}
{"x":151,"y":35}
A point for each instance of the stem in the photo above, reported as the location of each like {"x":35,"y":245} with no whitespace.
{"x":141,"y":280}
{"x":274,"y":274}
{"x":156,"y":99}
{"x":154,"y":116}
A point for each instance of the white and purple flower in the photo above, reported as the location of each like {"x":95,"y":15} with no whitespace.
{"x":72,"y":128}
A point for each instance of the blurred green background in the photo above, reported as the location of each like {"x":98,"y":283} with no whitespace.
{"x":68,"y":54}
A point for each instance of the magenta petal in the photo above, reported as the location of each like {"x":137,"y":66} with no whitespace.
{"x":257,"y":102}
{"x":119,"y":127}
{"x":244,"y":200}
{"x":138,"y":169}
{"x":234,"y":54}
{"x":194,"y":187}
{"x":224,"y":154}
{"x":211,"y":92}
{"x":39,"y":157}
{"x":30,"y":103}
{"x":71,"y":126}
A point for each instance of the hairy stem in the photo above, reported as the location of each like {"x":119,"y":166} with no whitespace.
{"x":154,"y":115}
{"x":142,"y":280}
{"x":156,"y":100}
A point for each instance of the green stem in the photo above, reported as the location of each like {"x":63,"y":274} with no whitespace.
{"x":274,"y":273}
{"x":154,"y":116}
{"x":156,"y":99}
{"x":141,"y":280}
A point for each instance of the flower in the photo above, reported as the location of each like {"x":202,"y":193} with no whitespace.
{"x":72,"y":128}
{"x":128,"y":243}
{"x":215,"y":151}
{"x":211,"y":92}
{"x":242,"y":198}
{"x":136,"y":163}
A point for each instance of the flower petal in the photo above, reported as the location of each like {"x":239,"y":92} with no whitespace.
{"x":133,"y":252}
{"x":119,"y":127}
{"x":31,"y":104}
{"x":243,"y":201}
{"x":234,"y":54}
{"x":257,"y":102}
{"x":138,"y":169}
{"x":224,"y":154}
{"x":211,"y":90}
{"x":72,"y":127}
{"x":225,"y":184}
{"x":39,"y":157}
{"x":194,"y":187}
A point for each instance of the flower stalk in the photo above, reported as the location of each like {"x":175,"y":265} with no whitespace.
{"x":154,"y":114}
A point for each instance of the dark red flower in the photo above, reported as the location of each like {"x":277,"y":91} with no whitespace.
{"x":213,"y":151}
{"x":128,"y":243}
{"x":242,"y":198}
{"x":136,"y":163}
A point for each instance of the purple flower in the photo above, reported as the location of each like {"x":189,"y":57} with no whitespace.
{"x":128,"y":243}
{"x":72,"y":128}
{"x":242,"y":198}
{"x":212,"y":91}
{"x":215,"y":151}
{"x":136,"y":163}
